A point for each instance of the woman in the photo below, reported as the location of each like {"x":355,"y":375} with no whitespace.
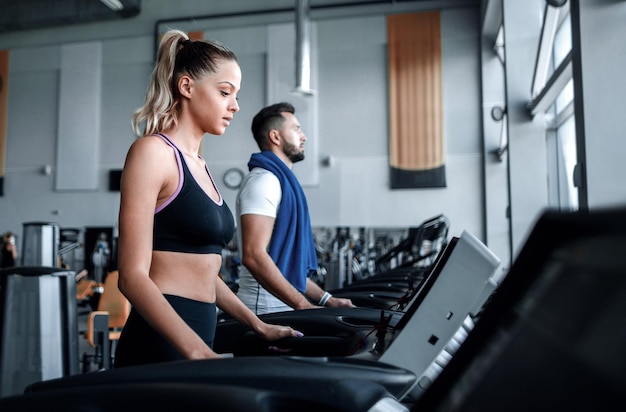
{"x":173,"y":222}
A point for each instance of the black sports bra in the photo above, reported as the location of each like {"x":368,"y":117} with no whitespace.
{"x":190,"y":221}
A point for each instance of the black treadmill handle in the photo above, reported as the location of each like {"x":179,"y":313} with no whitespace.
{"x":292,"y":341}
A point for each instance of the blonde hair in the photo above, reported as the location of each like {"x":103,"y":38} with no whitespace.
{"x":177,"y":56}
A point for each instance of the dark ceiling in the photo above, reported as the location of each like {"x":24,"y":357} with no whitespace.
{"x":19,"y":15}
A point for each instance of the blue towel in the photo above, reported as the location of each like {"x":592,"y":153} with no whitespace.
{"x":292,"y":246}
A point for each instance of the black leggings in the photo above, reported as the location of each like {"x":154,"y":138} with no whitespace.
{"x":140,"y":344}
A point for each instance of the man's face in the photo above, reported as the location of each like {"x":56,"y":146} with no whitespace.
{"x":293,"y":138}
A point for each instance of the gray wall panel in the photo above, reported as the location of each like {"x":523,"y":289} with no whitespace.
{"x":79,"y":117}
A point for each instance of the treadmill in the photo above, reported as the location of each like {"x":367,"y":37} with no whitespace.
{"x":312,"y":368}
{"x":549,"y":338}
{"x":552,"y":336}
{"x":456,"y":288}
{"x":391,"y":290}
{"x":416,"y":255}
{"x":392,"y":287}
{"x":280,"y":383}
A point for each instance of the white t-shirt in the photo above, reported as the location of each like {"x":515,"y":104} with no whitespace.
{"x":260,"y":194}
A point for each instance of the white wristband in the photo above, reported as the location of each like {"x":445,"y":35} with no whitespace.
{"x":325,"y":298}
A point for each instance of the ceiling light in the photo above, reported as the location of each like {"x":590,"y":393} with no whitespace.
{"x":114,"y":5}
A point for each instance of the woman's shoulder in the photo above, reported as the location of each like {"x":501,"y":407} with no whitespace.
{"x":151,"y":140}
{"x":151,"y":157}
{"x":150,"y":146}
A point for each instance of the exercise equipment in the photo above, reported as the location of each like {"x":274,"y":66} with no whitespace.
{"x":552,"y":335}
{"x":412,"y":339}
{"x":346,"y":396}
{"x":104,"y":325}
{"x":330,"y":384}
{"x":40,"y":244}
{"x":315,"y":376}
{"x":38,"y":326}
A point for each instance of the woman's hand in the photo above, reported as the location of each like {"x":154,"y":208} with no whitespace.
{"x":204,"y":354}
{"x":274,"y":332}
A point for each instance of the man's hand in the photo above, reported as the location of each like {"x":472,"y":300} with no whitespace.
{"x":334,"y":302}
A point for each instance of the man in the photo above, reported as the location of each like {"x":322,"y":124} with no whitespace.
{"x":274,"y":228}
{"x":9,"y":251}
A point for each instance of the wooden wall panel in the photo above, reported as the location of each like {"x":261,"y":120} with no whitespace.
{"x":416,"y":148}
{"x":196,"y":35}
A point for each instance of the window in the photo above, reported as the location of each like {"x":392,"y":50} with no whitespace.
{"x":562,"y":151}
{"x":554,"y":91}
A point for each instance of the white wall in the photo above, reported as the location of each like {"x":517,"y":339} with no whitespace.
{"x":353,"y":123}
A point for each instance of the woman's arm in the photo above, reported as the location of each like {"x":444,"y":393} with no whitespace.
{"x":231,"y":304}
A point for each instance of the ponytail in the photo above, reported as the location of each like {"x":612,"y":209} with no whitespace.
{"x":177,"y":56}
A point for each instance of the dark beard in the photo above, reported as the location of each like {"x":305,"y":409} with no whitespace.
{"x":293,"y":153}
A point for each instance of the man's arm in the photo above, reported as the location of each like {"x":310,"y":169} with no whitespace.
{"x":256,"y":233}
{"x":318,"y":295}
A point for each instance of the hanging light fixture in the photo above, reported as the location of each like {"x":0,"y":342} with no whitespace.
{"x":115,"y":5}
{"x":303,"y":48}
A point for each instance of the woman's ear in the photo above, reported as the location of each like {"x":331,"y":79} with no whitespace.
{"x":184,"y":86}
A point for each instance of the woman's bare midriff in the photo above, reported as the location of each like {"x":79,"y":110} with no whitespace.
{"x":188,"y":275}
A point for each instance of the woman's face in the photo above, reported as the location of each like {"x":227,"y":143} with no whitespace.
{"x":213,"y":99}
